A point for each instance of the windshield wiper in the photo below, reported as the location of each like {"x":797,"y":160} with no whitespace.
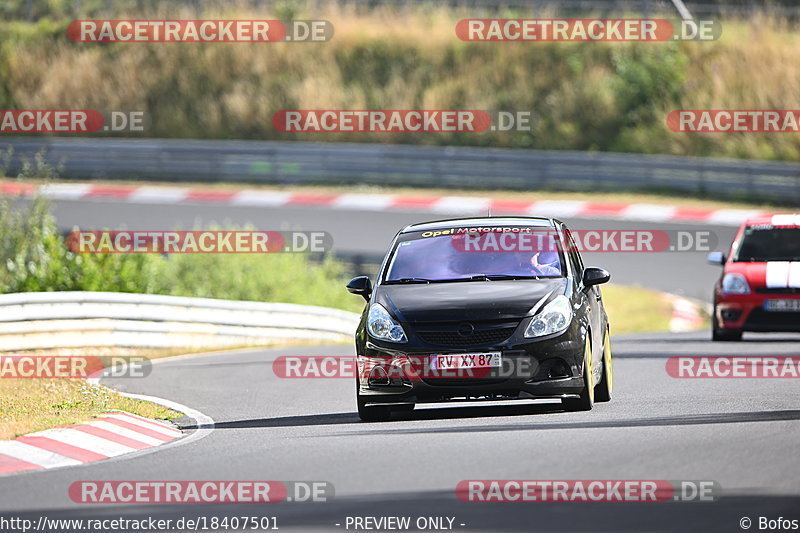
{"x":409,"y":280}
{"x":497,"y":277}
{"x":477,"y":277}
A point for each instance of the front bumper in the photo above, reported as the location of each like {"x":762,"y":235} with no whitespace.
{"x":746,"y":312}
{"x":532,"y":369}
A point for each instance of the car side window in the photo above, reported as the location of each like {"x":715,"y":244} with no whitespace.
{"x":578,"y":261}
{"x":574,"y":256}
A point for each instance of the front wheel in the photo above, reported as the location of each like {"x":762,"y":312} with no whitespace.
{"x":719,"y":334}
{"x":586,"y":400}
{"x":602,"y":392}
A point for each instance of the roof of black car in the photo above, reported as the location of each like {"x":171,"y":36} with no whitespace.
{"x":538,"y":222}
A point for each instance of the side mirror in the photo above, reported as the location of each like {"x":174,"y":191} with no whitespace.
{"x":716,"y":258}
{"x":595,"y":276}
{"x":360,"y":285}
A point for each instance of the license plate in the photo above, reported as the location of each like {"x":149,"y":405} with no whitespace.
{"x":466,"y":360}
{"x":782,"y":305}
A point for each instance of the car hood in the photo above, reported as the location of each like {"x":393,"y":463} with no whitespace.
{"x":468,"y":300}
{"x":772,"y":274}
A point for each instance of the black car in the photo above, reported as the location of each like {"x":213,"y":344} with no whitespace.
{"x":486,"y":308}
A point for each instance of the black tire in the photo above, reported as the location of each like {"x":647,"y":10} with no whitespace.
{"x":602,"y":391}
{"x":725,"y":335}
{"x":586,"y":400}
{"x":372,"y":413}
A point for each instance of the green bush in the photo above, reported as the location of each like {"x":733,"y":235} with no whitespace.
{"x":34,"y":258}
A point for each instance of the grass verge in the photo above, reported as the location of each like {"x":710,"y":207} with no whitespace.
{"x":29,"y":405}
{"x":636,"y":310}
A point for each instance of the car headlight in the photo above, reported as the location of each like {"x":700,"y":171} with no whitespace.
{"x":735,"y":284}
{"x":555,"y":317}
{"x":381,"y":325}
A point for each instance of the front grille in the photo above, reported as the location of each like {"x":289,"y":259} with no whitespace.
{"x":779,"y":290}
{"x":453,"y":338}
{"x":554,"y":368}
{"x":773,"y":321}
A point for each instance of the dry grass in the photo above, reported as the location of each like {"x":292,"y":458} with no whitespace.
{"x":585,"y":96}
{"x":636,"y":309}
{"x":29,"y":405}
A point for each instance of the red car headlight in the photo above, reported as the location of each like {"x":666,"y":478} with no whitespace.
{"x":735,"y":284}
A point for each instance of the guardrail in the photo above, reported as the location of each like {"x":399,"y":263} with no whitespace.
{"x":53,"y":320}
{"x":302,"y":163}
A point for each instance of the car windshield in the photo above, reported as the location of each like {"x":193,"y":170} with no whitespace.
{"x":489,"y":255}
{"x":761,"y":244}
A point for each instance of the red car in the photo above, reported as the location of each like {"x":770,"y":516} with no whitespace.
{"x":759,"y":289}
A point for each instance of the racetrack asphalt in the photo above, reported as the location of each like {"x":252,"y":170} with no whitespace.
{"x":741,"y":433}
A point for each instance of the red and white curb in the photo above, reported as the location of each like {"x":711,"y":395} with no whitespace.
{"x":381,"y":202}
{"x":110,"y":435}
{"x":686,"y":314}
